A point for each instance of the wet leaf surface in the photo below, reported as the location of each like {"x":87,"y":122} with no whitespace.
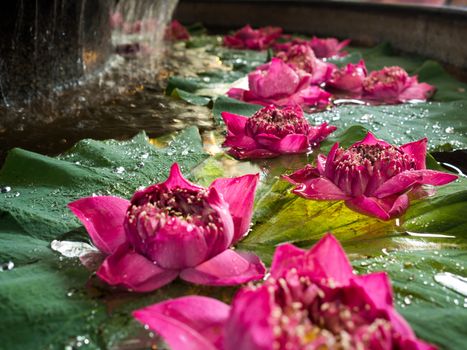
{"x":49,"y":301}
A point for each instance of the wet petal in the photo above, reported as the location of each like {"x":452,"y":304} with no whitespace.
{"x":320,"y":133}
{"x":236,"y":93}
{"x":235,"y":123}
{"x":302,"y":176}
{"x":417,"y":150}
{"x":239,"y":193}
{"x":368,"y":206}
{"x":187,"y":321}
{"x":176,"y":179}
{"x":321,"y":164}
{"x":378,"y":287}
{"x":370,"y":139}
{"x":399,"y":206}
{"x":247,"y":330}
{"x":416,"y":91}
{"x":228,"y":268}
{"x":320,"y":188}
{"x":275,"y":79}
{"x":329,"y":254}
{"x":293,"y":143}
{"x":178,"y":245}
{"x":103,"y":218}
{"x":286,"y":256}
{"x":329,"y":167}
{"x":258,"y":153}
{"x":131,"y":270}
{"x":406,"y":179}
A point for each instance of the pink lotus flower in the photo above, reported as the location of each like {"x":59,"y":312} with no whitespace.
{"x":271,"y":132}
{"x":393,"y":85}
{"x":253,"y":39}
{"x":328,"y":47}
{"x":311,"y":301}
{"x":301,"y":57}
{"x":280,"y":84}
{"x":322,"y":48}
{"x":172,"y":229}
{"x":372,"y":176}
{"x":349,"y":78}
{"x":176,"y":31}
{"x":388,"y":85}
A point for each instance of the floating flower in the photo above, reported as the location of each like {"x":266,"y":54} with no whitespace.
{"x":393,"y":85}
{"x":328,"y":47}
{"x":171,"y":229}
{"x":176,"y":31}
{"x":349,"y":78}
{"x":253,"y":39}
{"x":322,"y":48}
{"x":301,"y":57}
{"x":372,"y":176}
{"x":272,"y":131}
{"x":312,"y":300}
{"x":388,"y":85}
{"x":280,"y":84}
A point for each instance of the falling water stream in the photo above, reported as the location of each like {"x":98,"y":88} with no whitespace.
{"x":75,"y":87}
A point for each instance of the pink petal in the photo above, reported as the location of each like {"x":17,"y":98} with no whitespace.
{"x":329,"y":254}
{"x":350,"y":78}
{"x":417,"y":150}
{"x":416,"y":91}
{"x":247,"y":330}
{"x":320,"y":188}
{"x":278,"y":79}
{"x":103,"y":218}
{"x":399,"y":206}
{"x":329,"y":167}
{"x":187,"y":322}
{"x":228,"y":268}
{"x":131,"y":270}
{"x":292,"y":143}
{"x":378,"y":287}
{"x":406,"y":179}
{"x":368,"y":206}
{"x":321,"y":164}
{"x":175,"y":248}
{"x":235,"y":123}
{"x":286,"y":257}
{"x":239,"y":193}
{"x":176,"y":179}
{"x":302,"y":176}
{"x":370,"y":139}
{"x":319,"y":133}
{"x":312,"y":96}
{"x":399,"y":324}
{"x":236,"y":93}
{"x":258,"y":153}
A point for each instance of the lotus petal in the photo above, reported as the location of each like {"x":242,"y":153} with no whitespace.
{"x":228,"y":268}
{"x":103,"y":218}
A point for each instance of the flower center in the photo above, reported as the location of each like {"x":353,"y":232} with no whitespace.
{"x":389,"y":76}
{"x":271,"y":120}
{"x":311,"y":316}
{"x":157,"y":208}
{"x":362,"y":168}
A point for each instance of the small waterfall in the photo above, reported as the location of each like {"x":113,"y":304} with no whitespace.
{"x":53,"y":47}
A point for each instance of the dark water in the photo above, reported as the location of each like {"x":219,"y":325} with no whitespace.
{"x":51,"y":129}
